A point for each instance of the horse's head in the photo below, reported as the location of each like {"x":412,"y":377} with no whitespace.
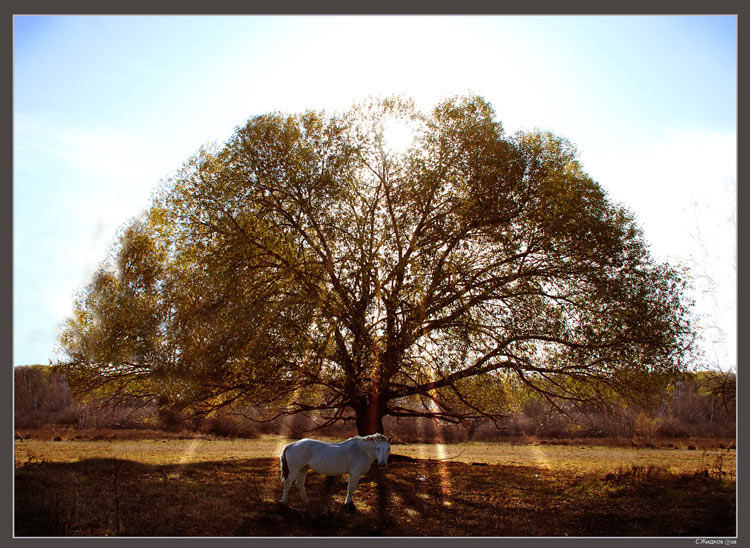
{"x":382,"y":450}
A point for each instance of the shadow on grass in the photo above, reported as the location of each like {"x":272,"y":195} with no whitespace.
{"x":104,"y":497}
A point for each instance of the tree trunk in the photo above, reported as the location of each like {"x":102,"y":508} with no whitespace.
{"x":370,"y":415}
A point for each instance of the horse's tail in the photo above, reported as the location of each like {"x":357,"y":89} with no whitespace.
{"x":283,"y":464}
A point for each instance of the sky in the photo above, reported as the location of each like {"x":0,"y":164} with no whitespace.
{"x":104,"y":107}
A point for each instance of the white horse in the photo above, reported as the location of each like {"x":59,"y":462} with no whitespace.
{"x":353,"y":456}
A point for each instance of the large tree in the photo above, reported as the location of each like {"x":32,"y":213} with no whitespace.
{"x":310,"y":265}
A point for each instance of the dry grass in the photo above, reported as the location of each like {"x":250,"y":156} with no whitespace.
{"x":149,"y":451}
{"x":204,"y":487}
{"x":571,"y":458}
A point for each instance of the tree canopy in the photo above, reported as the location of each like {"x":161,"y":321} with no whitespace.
{"x":309,"y":265}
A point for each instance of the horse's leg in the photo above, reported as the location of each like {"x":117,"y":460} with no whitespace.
{"x":288,"y":481}
{"x":287,"y":484}
{"x":353,"y":480}
{"x":301,"y":483}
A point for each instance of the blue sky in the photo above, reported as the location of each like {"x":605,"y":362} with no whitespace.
{"x":105,"y":107}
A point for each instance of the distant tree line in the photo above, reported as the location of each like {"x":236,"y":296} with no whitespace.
{"x":700,"y":404}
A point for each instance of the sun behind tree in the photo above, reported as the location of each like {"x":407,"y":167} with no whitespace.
{"x":306,"y":267}
{"x":398,"y":135}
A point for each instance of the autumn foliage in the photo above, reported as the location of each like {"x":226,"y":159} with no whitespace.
{"x":307,"y":267}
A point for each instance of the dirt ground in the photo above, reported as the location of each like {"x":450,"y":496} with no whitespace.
{"x":413,"y":497}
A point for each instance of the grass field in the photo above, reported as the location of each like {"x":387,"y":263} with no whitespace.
{"x":571,"y":457}
{"x":204,"y":487}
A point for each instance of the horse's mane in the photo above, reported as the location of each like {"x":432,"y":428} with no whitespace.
{"x":372,"y":437}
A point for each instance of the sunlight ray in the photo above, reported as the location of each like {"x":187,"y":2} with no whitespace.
{"x":539,"y":456}
{"x":445,"y":480}
{"x":187,"y":455}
